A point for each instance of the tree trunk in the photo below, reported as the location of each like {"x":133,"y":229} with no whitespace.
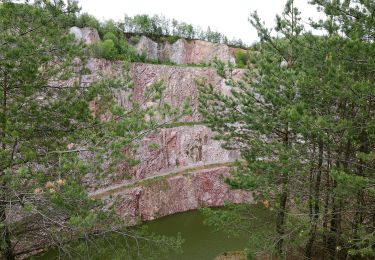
{"x":280,"y":219}
{"x":6,"y":243}
{"x":337,"y":205}
{"x":316,"y":209}
{"x":6,"y":247}
{"x":359,"y":214}
{"x":327,"y":197}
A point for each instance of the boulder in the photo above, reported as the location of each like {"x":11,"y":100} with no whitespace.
{"x":87,"y":35}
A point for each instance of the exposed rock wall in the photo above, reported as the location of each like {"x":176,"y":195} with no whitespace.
{"x":180,"y":52}
{"x":87,"y":35}
{"x":183,"y":169}
{"x":180,"y":82}
{"x":177,"y":193}
{"x":179,"y":147}
{"x":184,"y":51}
{"x":185,"y":166}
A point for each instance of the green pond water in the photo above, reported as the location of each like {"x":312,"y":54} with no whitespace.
{"x":201,"y":242}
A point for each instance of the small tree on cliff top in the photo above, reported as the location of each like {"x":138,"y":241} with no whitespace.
{"x":45,"y":130}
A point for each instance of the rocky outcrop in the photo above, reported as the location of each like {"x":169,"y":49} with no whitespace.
{"x":179,"y":147}
{"x":180,"y":82}
{"x":181,"y":167}
{"x":175,"y":147}
{"x":177,"y":193}
{"x":86,"y":35}
{"x":180,"y":52}
{"x":184,"y":51}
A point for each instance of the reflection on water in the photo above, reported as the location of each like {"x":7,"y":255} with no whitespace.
{"x":201,"y":241}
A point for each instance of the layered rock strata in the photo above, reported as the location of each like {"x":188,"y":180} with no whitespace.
{"x":186,"y":167}
{"x":178,"y":192}
{"x":184,"y":51}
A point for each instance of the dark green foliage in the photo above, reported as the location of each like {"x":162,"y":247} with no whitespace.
{"x":160,"y":28}
{"x":237,"y":220}
{"x":303,"y":118}
{"x":110,"y":36}
{"x":220,"y":67}
{"x":53,"y":132}
{"x":242,"y":58}
{"x":134,"y":39}
{"x":115,"y":47}
{"x":87,"y":20}
{"x":106,"y":50}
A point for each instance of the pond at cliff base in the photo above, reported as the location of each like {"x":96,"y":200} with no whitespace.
{"x":201,"y":242}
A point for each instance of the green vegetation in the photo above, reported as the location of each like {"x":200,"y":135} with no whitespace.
{"x":159,"y":27}
{"x":53,"y":132}
{"x":118,"y":36}
{"x":239,"y":220}
{"x":118,"y":246}
{"x":242,"y":58}
{"x":112,"y":48}
{"x":303,"y":118}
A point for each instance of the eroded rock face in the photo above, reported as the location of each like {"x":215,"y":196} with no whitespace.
{"x":147,"y":47}
{"x":170,"y":149}
{"x":162,"y":197}
{"x":184,"y":52}
{"x":180,"y":83}
{"x":180,"y":52}
{"x":87,"y":35}
{"x":178,"y":148}
{"x":181,"y":168}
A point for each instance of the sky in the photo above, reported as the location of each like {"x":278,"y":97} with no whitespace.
{"x":229,"y":17}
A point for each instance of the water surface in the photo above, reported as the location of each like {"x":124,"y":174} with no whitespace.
{"x":202,"y":242}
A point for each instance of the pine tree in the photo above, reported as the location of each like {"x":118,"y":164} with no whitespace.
{"x":303,"y":119}
{"x":258,"y":117}
{"x":50,"y":129}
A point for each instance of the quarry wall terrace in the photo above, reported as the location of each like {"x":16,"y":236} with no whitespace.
{"x":187,"y":169}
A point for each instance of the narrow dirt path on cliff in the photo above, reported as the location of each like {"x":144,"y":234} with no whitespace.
{"x":113,"y":189}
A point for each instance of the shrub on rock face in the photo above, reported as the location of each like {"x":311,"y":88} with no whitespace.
{"x":127,"y":51}
{"x":242,"y":58}
{"x":110,"y":36}
{"x":135,"y":39}
{"x":86,"y":20}
{"x":105,"y":50}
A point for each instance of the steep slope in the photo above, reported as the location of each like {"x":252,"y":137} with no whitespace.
{"x":186,"y":169}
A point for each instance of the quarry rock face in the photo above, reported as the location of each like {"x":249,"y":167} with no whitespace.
{"x":87,"y":35}
{"x":178,"y":193}
{"x":180,"y":52}
{"x":178,"y":148}
{"x":184,"y":51}
{"x":147,"y":47}
{"x":181,"y":167}
{"x":180,"y":82}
